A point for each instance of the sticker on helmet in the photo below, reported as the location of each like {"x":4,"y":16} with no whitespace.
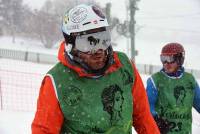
{"x":95,"y":21}
{"x":98,"y":12}
{"x":66,"y":19}
{"x":79,"y":14}
{"x":72,"y":27}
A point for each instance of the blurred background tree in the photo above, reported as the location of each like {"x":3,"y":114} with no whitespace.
{"x":44,"y":24}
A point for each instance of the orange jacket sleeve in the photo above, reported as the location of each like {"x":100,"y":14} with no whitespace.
{"x":48,"y":117}
{"x":143,"y":121}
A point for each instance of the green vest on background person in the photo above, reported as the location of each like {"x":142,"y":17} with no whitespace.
{"x":175,"y":100}
{"x":172,"y":92}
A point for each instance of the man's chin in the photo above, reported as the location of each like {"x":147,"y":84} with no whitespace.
{"x":97,"y":68}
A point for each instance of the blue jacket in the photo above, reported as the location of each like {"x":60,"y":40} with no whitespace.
{"x":152,"y":91}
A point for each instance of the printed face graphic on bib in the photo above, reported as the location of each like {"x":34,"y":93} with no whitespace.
{"x":179,"y":94}
{"x":73,"y":96}
{"x":112,"y":99}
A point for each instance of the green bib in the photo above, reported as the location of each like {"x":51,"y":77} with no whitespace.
{"x":95,"y":105}
{"x":175,"y":101}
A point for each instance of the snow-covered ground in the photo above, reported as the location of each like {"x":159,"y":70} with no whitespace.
{"x":27,"y":44}
{"x":12,"y":122}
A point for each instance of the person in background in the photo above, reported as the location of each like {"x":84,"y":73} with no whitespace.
{"x":172,"y":92}
{"x":92,"y":89}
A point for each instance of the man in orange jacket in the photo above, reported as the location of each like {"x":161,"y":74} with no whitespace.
{"x":92,"y":89}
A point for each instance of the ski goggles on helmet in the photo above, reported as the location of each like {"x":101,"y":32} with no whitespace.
{"x":167,"y":58}
{"x":93,"y":42}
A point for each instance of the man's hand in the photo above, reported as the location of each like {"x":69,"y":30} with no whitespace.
{"x":163,"y":124}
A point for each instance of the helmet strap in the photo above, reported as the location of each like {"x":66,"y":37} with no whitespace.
{"x":69,"y":39}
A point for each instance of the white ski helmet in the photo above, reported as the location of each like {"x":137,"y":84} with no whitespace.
{"x":85,"y":27}
{"x":82,"y":18}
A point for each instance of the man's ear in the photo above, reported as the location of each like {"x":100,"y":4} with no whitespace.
{"x":74,"y":52}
